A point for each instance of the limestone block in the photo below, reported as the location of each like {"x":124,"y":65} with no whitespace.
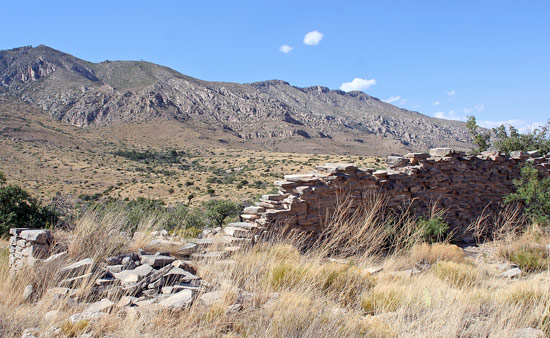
{"x":37,"y":236}
{"x":157,"y":261}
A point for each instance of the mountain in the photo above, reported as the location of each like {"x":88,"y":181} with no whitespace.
{"x":269,"y":114}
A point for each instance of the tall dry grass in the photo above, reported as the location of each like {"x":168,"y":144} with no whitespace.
{"x":286,"y":292}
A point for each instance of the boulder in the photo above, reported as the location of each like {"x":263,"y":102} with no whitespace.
{"x":512,"y":273}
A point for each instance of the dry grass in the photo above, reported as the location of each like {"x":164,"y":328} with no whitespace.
{"x":288,"y":293}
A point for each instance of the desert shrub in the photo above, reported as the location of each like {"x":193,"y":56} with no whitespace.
{"x":511,"y":140}
{"x":534,"y":193}
{"x":432,"y":253}
{"x":527,"y":254}
{"x":433,"y":229}
{"x":219,"y":210}
{"x":457,"y":274}
{"x":18,"y":209}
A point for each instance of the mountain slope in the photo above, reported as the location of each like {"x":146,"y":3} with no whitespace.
{"x":271,"y":114}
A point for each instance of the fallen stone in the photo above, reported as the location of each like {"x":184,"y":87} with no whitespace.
{"x":27,"y":293}
{"x":104,"y":305}
{"x":135,"y":275}
{"x":253,"y":210}
{"x":512,"y":273}
{"x":126,"y":301}
{"x":185,"y":265}
{"x":187,"y":248}
{"x":77,"y":267}
{"x":157,"y":261}
{"x":76,"y":281}
{"x":179,"y":300}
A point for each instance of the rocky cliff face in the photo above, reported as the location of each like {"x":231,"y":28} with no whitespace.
{"x":83,"y":93}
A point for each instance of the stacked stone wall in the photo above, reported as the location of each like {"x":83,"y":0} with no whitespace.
{"x":27,"y":247}
{"x":463,"y":185}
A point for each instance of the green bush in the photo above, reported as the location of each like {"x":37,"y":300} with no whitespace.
{"x":219,"y":210}
{"x":534,"y":193}
{"x":433,"y":229}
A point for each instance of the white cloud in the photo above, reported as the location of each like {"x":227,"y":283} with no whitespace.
{"x":313,"y":38}
{"x":357,"y":84}
{"x":436,"y":103}
{"x":467,"y":111}
{"x":522,"y":125}
{"x":451,"y":115}
{"x":392,"y":99}
{"x":451,"y":92}
{"x":286,"y":49}
{"x":479,"y":107}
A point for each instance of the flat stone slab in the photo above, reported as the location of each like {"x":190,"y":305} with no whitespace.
{"x":77,"y":267}
{"x":37,"y":236}
{"x":253,"y":210}
{"x":178,"y":300}
{"x":103,"y":305}
{"x":244,"y":225}
{"x":133,"y":276}
{"x":157,"y":261}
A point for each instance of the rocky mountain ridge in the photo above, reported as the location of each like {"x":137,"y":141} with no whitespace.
{"x":268,"y":112}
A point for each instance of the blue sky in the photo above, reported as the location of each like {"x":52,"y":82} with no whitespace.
{"x":441,"y":58}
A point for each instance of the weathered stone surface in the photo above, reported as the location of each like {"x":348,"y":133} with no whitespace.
{"x":528,"y":332}
{"x":37,"y":236}
{"x":396,"y":161}
{"x":253,"y":210}
{"x":27,"y":293}
{"x":179,"y":300}
{"x":157,"y":261}
{"x":512,"y":273}
{"x":135,"y":275}
{"x":104,"y":305}
{"x":77,"y":267}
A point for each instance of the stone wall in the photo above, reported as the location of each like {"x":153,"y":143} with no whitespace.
{"x":463,"y":185}
{"x":27,"y":247}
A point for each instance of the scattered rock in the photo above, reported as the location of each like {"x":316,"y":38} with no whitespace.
{"x":157,"y":261}
{"x":213,"y":297}
{"x":528,"y":332}
{"x":27,"y":293}
{"x":512,"y":273}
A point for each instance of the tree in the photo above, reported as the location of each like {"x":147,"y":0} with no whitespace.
{"x":534,"y":193}
{"x":511,"y":140}
{"x":481,"y":139}
{"x":219,"y":210}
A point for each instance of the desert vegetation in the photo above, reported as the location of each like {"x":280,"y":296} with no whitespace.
{"x":367,"y":275}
